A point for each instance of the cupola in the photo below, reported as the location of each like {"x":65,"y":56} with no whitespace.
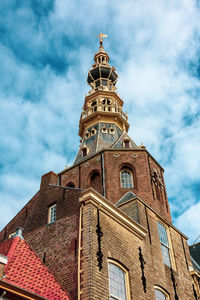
{"x":102,"y":76}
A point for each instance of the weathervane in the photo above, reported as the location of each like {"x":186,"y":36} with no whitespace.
{"x":101,"y":36}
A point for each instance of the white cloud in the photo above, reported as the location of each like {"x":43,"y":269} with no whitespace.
{"x":189,"y":222}
{"x":155,"y":49}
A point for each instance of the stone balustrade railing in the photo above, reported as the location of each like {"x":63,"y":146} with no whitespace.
{"x":105,"y":108}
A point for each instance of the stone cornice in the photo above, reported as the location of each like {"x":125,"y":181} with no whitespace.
{"x":155,"y":212}
{"x":114,"y":150}
{"x":91,"y":196}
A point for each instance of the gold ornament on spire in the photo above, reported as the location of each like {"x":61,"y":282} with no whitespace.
{"x":101,"y":36}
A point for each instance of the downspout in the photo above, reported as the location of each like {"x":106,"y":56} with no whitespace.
{"x":79,"y":252}
{"x":103,"y":174}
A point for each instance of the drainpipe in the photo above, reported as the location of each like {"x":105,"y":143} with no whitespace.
{"x":103,"y":174}
{"x":79,"y":251}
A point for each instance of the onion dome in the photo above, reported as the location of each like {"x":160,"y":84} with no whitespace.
{"x":102,"y":75}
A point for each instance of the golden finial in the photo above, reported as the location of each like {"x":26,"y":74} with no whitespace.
{"x":101,"y":36}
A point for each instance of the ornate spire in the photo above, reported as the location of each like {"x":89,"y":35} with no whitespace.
{"x":102,"y":76}
{"x":102,"y":120}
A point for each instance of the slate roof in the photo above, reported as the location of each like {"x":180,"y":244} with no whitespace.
{"x":102,"y":140}
{"x":119,"y":142}
{"x":126,"y":197}
{"x":195,"y":253}
{"x":195,"y":264}
{"x":25,"y":270}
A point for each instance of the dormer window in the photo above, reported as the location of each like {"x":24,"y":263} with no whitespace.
{"x":104,"y":129}
{"x":126,"y":143}
{"x":93,"y":132}
{"x":87,"y":135}
{"x":111,"y":130}
{"x":85,"y":151}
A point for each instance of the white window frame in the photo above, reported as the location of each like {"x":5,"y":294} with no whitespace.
{"x":111,"y":130}
{"x":93,"y":131}
{"x":84,"y":148}
{"x":126,"y":278}
{"x":87,"y":135}
{"x":51,"y":214}
{"x":104,"y":130}
{"x":131,"y":173}
{"x":161,"y":290}
{"x":169,"y":246}
{"x":12,"y":235}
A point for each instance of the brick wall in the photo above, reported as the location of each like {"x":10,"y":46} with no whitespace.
{"x":120,"y":244}
{"x":57,"y":243}
{"x":114,"y":160}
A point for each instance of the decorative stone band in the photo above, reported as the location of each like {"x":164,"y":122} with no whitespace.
{"x":91,"y":196}
{"x":104,"y":108}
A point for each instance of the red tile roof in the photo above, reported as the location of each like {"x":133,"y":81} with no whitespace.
{"x":25,"y":269}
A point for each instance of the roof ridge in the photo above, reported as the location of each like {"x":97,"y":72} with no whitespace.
{"x":13,"y":247}
{"x":113,"y":144}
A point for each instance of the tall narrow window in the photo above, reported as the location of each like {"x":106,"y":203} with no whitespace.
{"x":126,"y":178}
{"x":164,"y":243}
{"x":95,"y":181}
{"x":118,"y":284}
{"x":160,"y":294}
{"x":52,"y":214}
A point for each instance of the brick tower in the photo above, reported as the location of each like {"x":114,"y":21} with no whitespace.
{"x":103,"y":129}
{"x":103,"y":226}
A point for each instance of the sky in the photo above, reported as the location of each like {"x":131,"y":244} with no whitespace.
{"x":46,"y":50}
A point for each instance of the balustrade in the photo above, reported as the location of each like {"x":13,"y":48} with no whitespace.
{"x":105,"y":108}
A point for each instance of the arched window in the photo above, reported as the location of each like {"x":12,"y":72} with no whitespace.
{"x":95,"y":181}
{"x":118,"y":281}
{"x":126,"y":177}
{"x":85,"y":150}
{"x":160,"y":294}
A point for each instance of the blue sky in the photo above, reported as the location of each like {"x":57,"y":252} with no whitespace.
{"x":46,"y":50}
